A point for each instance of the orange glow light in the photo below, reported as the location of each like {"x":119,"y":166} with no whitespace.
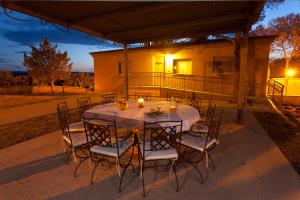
{"x":291,"y":72}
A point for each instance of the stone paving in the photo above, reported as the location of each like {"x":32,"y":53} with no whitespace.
{"x":248,"y":166}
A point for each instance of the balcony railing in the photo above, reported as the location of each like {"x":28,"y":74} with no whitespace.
{"x":275,"y":91}
{"x":225,"y":86}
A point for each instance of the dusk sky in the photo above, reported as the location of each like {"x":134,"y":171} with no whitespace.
{"x":16,"y":35}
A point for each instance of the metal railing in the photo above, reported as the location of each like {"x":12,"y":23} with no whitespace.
{"x":225,"y":86}
{"x":275,"y":91}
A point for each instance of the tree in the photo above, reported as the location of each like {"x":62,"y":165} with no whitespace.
{"x":287,"y":44}
{"x":46,"y":64}
{"x":80,"y":79}
{"x":6,"y":79}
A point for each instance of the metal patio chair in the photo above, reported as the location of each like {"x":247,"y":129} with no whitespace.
{"x":174,"y":96}
{"x":109,"y":98}
{"x":73,"y":136}
{"x":203,"y":124}
{"x":195,"y":103}
{"x":84,"y":103}
{"x":158,"y":143}
{"x":200,"y":146}
{"x":145,"y":96}
{"x":105,"y":145}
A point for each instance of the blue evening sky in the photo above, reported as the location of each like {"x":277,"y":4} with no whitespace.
{"x":16,"y":36}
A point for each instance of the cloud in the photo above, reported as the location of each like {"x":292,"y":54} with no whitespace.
{"x":22,"y":52}
{"x":29,"y":37}
{"x":3,"y":60}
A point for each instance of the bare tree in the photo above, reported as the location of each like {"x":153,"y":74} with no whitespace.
{"x":46,"y":64}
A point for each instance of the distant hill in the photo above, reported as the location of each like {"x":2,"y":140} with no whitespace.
{"x":19,"y":73}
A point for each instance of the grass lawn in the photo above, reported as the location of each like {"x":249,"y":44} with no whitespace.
{"x":9,"y":101}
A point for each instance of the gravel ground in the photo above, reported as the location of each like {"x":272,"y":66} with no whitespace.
{"x":285,"y":133}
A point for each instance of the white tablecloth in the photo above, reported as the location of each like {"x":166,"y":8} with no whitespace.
{"x":134,"y":117}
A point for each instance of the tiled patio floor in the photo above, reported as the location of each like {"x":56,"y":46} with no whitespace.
{"x":248,"y":166}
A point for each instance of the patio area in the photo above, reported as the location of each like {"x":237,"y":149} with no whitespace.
{"x":248,"y":166}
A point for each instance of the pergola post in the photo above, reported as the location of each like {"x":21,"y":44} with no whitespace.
{"x":242,"y":92}
{"x":126,"y":70}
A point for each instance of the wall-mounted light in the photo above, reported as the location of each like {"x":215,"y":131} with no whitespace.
{"x":169,"y":59}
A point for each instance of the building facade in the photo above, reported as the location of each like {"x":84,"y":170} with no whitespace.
{"x":201,"y":67}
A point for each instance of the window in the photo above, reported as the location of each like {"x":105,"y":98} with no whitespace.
{"x":182,"y":66}
{"x":223,"y":64}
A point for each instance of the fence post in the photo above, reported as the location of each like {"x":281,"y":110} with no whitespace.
{"x":160,"y":84}
{"x":183,"y":86}
{"x":273,"y":90}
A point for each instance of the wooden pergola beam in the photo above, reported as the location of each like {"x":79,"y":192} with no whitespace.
{"x":187,"y":35}
{"x":180,"y":24}
{"x":123,"y":12}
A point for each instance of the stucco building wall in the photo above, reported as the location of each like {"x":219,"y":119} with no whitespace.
{"x":201,"y":56}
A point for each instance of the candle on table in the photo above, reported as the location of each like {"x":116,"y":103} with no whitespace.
{"x":141,"y":103}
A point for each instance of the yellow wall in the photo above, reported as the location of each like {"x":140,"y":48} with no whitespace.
{"x":293,"y":88}
{"x":142,"y":60}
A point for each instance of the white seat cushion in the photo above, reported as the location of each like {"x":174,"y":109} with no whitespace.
{"x":198,"y":127}
{"x":197,"y":143}
{"x":112,"y":151}
{"x":77,"y":139}
{"x":76,"y":127}
{"x":158,"y":154}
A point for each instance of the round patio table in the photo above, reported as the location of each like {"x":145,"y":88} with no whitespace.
{"x":134,"y":117}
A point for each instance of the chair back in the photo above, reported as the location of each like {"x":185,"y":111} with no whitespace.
{"x":196,"y":103}
{"x":64,"y":118}
{"x":172,"y":96}
{"x":210,"y":112}
{"x":109,"y":98}
{"x":84,"y":103}
{"x":145,"y":96}
{"x":213,"y":129}
{"x":163,"y":135}
{"x":101,"y":132}
{"x":215,"y":126}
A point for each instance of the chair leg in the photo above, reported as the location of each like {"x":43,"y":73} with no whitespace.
{"x":174,"y":170}
{"x":196,"y":168}
{"x":96,"y":164}
{"x":63,"y":145}
{"x":125,"y":168}
{"x":144,"y":193}
{"x":68,"y":153}
{"x":74,"y":156}
{"x":212,"y":161}
{"x":80,"y":162}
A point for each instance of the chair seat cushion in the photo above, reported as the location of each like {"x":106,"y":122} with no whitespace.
{"x":197,"y":143}
{"x":112,"y":151}
{"x":158,"y":154}
{"x":199,"y":127}
{"x":77,"y":139}
{"x":76,"y":127}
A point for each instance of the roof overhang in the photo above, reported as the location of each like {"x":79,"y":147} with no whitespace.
{"x":134,"y":22}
